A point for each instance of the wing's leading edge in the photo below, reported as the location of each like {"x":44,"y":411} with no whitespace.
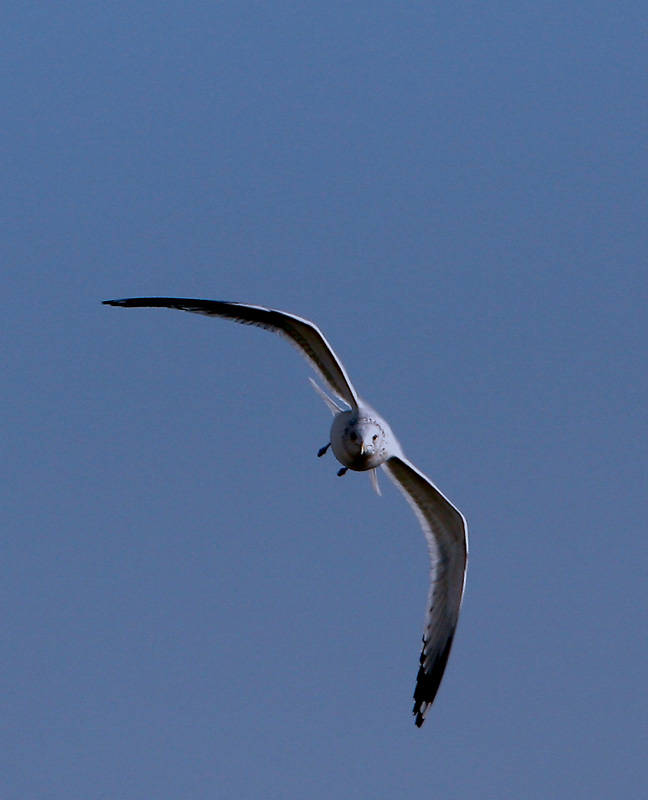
{"x":302,"y":333}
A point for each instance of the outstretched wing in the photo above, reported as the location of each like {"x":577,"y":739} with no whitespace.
{"x":300,"y":332}
{"x":447,"y":540}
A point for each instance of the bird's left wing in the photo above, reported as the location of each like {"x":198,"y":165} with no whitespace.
{"x":447,"y":539}
{"x":302,"y":333}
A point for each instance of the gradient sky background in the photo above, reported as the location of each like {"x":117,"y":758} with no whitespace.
{"x":193,"y":605}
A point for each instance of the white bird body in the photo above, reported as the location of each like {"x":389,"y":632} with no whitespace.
{"x":361,"y":440}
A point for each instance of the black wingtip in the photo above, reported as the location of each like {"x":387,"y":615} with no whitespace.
{"x":145,"y":302}
{"x":181,"y":303}
{"x":420,"y":709}
{"x":428,"y":681}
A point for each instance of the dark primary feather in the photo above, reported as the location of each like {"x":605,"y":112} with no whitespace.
{"x":302,"y":333}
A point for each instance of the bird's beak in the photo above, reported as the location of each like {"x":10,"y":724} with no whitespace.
{"x":362,"y":448}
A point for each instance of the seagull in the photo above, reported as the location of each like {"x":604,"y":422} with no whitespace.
{"x":361,"y":440}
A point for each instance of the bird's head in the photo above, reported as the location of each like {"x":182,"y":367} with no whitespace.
{"x":358,"y":441}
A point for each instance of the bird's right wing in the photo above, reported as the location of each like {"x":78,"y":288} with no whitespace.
{"x":447,"y":539}
{"x":302,"y":333}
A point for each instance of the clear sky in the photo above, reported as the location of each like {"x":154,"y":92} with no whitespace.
{"x":193,"y":605}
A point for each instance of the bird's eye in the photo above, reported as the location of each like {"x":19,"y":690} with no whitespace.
{"x":375,"y":437}
{"x":353,"y":436}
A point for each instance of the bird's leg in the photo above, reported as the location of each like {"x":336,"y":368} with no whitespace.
{"x":342,"y":471}
{"x":322,"y":450}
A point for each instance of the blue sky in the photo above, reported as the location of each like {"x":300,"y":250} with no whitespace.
{"x":193,"y":604}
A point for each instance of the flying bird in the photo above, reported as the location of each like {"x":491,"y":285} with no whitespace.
{"x":361,"y":440}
